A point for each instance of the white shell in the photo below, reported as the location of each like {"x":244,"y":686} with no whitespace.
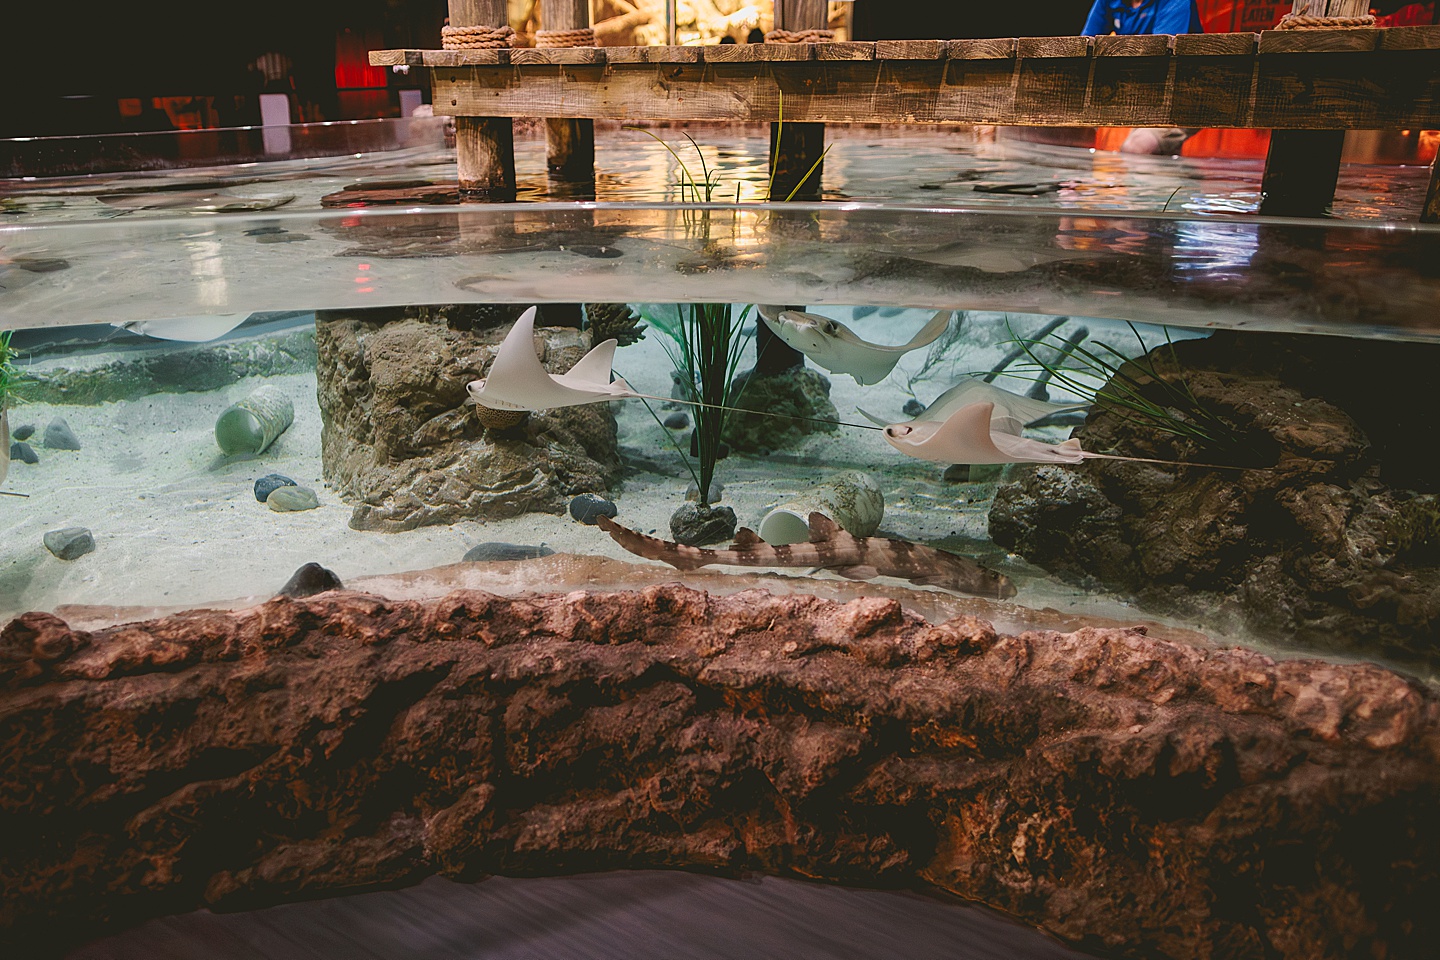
{"x":852,"y":499}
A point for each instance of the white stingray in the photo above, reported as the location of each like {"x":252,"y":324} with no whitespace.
{"x":518,"y":381}
{"x":1024,"y":409}
{"x":835,"y":347}
{"x":187,"y":329}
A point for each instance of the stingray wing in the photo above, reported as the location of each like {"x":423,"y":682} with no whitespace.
{"x":593,"y":374}
{"x":1024,"y":409}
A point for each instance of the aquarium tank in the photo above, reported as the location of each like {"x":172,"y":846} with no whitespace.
{"x":315,"y":417}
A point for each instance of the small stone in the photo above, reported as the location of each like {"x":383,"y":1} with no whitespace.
{"x":957,"y":473}
{"x":913,"y":408}
{"x":483,"y":552}
{"x":717,"y":492}
{"x":288,"y":499}
{"x":69,"y":543}
{"x":310,"y":580}
{"x":696,"y":525}
{"x":22,"y":432}
{"x":23,"y":452}
{"x":270,"y":483}
{"x":973,"y":472}
{"x":588,"y":506}
{"x":677,"y":421}
{"x":59,"y":436}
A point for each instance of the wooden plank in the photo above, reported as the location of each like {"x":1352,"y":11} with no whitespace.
{"x":1361,"y":91}
{"x":575,"y":55}
{"x":844,"y":51}
{"x":735,"y":52}
{"x":1216,"y":44}
{"x":1206,"y":88}
{"x":396,"y":58}
{"x":1410,"y":38}
{"x":625,"y":54}
{"x":909,"y":49}
{"x":981,"y":49}
{"x":1053,"y":47}
{"x":780,"y":52}
{"x":1121,"y":88}
{"x":675,"y":54}
{"x":466,"y":58}
{"x":1318,"y":41}
{"x":1153,"y":45}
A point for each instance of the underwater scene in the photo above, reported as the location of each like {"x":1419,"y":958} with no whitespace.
{"x":1159,"y":478}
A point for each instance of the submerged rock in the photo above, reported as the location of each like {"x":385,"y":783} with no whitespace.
{"x":913,"y":408}
{"x":588,"y":506}
{"x":69,"y":543}
{"x":309,"y":580}
{"x":292,"y":499}
{"x":1323,"y":544}
{"x":799,"y":392}
{"x":1099,"y":784}
{"x":717,"y":491}
{"x":677,"y":421}
{"x":59,"y":436}
{"x":271,"y":482}
{"x":23,"y":452}
{"x":696,"y":524}
{"x":496,"y":551}
{"x":23,"y":432}
{"x":400,"y":440}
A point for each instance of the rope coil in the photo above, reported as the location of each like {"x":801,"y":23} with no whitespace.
{"x":800,"y":36}
{"x":1293,"y":21}
{"x":476,"y":38}
{"x":581,"y":37}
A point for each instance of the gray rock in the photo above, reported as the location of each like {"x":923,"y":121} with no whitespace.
{"x":588,"y":506}
{"x":69,"y":543}
{"x":695,"y":525}
{"x":973,"y":472}
{"x":798,"y":393}
{"x":482,"y":552}
{"x":913,"y":408}
{"x":401,"y":442}
{"x":271,"y":482}
{"x":59,"y":436}
{"x":677,"y":421}
{"x":22,"y":432}
{"x":310,"y":580}
{"x":23,"y":452}
{"x":291,"y":499}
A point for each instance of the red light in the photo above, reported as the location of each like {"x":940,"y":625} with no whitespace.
{"x":363,"y":266}
{"x":366,"y":290}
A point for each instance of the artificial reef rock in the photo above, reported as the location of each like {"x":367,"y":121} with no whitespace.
{"x":1133,"y":795}
{"x":400,"y":437}
{"x":1331,"y":535}
{"x":762,"y":402}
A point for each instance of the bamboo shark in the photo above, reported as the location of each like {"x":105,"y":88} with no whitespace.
{"x":830,"y":548}
{"x":518,"y":381}
{"x":835,"y":347}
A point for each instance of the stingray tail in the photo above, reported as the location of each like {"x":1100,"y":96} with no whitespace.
{"x":931,"y":331}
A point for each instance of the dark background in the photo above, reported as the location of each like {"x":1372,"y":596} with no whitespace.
{"x":66,"y":64}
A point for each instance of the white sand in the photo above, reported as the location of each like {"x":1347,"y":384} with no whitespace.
{"x":173,"y":526}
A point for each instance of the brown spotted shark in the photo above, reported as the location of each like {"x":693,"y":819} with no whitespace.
{"x":830,"y":548}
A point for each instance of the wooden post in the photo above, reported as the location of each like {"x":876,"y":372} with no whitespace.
{"x":484,"y":146}
{"x":1330,"y":8}
{"x":1301,"y":171}
{"x":1431,"y":213}
{"x":570,"y":144}
{"x":795,"y":147}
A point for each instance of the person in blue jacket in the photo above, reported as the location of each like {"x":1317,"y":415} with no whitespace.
{"x":1135,"y":17}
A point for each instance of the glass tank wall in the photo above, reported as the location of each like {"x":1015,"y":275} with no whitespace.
{"x":1079,"y":416}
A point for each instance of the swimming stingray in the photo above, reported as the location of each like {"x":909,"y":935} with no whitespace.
{"x":835,"y":347}
{"x":188,"y":329}
{"x":1026,"y":410}
{"x":518,"y":381}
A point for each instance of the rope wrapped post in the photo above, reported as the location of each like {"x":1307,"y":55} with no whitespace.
{"x":484,"y":146}
{"x":1303,"y":166}
{"x":795,"y":147}
{"x":1431,"y":213}
{"x":570,"y":143}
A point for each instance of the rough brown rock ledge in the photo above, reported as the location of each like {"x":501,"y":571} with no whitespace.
{"x":1129,"y":794}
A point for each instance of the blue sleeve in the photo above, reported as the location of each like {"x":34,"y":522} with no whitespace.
{"x":1098,"y":23}
{"x":1176,"y":16}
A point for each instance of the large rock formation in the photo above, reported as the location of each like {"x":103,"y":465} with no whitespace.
{"x":1134,"y":795}
{"x":399,"y":436}
{"x":1332,"y":542}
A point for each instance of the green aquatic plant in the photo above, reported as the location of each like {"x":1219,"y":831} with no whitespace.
{"x":8,"y":374}
{"x":705,"y":342}
{"x":1131,"y":388}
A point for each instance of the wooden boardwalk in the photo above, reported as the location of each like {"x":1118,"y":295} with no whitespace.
{"x":1289,"y":80}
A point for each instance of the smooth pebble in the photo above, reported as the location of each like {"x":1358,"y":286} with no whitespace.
{"x":271,"y":482}
{"x":290,"y":499}
{"x":310,"y":580}
{"x":69,"y":543}
{"x":913,"y":408}
{"x":677,"y":421}
{"x":588,"y":506}
{"x":22,"y":432}
{"x":59,"y":436}
{"x":23,"y":452}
